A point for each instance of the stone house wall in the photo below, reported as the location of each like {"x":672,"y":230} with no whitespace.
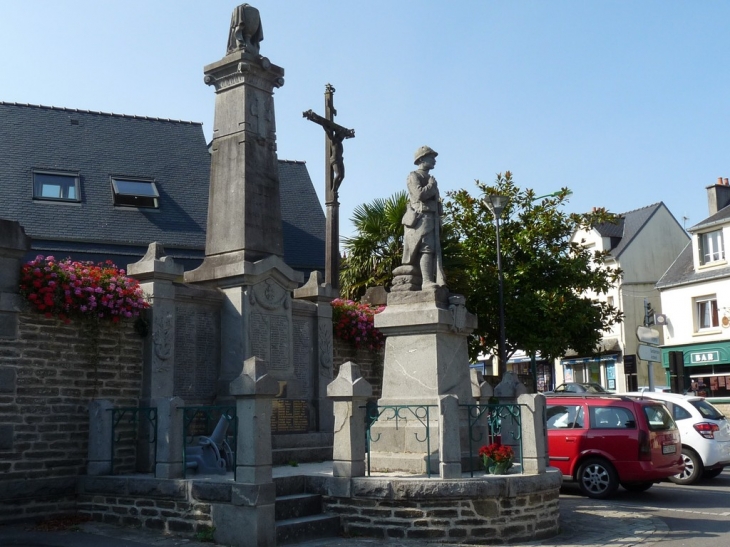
{"x":48,"y":376}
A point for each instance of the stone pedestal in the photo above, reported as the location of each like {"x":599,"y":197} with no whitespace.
{"x":169,"y":460}
{"x":350,"y":392}
{"x":426,"y":357}
{"x":13,"y":245}
{"x":253,"y":390}
{"x":256,"y":319}
{"x":156,"y":273}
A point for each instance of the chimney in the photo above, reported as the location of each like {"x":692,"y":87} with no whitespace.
{"x":718,"y":195}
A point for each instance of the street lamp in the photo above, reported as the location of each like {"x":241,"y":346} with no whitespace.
{"x":496,"y":203}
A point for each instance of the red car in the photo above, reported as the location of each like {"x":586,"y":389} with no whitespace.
{"x":602,"y":441}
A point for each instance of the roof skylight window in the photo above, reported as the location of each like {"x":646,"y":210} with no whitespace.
{"x":135,"y":193}
{"x":55,"y":186}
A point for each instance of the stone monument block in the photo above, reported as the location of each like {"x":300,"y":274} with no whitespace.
{"x":426,"y":358}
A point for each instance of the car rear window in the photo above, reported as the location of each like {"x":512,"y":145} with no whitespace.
{"x":707,"y":410}
{"x":658,"y":418}
{"x":564,"y":416}
{"x":679,"y":413}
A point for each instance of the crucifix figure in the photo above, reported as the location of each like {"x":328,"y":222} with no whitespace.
{"x":334,"y":175}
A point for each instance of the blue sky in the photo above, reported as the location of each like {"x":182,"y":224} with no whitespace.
{"x":624,"y":102}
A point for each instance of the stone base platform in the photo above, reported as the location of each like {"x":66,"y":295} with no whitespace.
{"x":486,"y":509}
{"x":481,"y":510}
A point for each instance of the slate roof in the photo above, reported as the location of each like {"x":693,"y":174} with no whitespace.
{"x":97,"y":145}
{"x":303,"y":221}
{"x":721,"y":217}
{"x":627,"y":228}
{"x":682,"y":271}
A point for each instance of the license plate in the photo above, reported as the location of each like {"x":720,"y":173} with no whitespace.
{"x":669,"y":449}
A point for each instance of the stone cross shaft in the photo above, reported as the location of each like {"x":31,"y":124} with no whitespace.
{"x":334,"y":175}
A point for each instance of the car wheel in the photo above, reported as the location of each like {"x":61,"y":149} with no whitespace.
{"x":597,"y":478}
{"x":712,"y":473}
{"x":637,"y":486}
{"x":693,"y":468}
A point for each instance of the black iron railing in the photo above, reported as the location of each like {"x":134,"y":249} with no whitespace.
{"x":127,"y":425}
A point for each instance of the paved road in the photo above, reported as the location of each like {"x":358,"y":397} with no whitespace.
{"x":667,"y":515}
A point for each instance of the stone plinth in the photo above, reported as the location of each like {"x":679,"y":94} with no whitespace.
{"x":426,"y":357}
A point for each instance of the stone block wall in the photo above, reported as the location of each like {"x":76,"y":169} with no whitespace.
{"x":166,"y":505}
{"x":48,"y":375}
{"x":370,"y":363}
{"x":487,"y":510}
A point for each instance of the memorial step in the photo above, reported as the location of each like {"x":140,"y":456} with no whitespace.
{"x":307,"y":528}
{"x":302,"y":454}
{"x":297,"y":505}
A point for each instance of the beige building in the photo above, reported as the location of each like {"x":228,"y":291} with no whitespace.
{"x":643,"y":244}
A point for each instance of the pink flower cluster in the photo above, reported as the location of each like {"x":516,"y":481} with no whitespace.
{"x":67,"y":289}
{"x":353,"y":323}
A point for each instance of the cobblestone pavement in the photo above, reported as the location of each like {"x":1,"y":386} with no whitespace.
{"x":583,"y":523}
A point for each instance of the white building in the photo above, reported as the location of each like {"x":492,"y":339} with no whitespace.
{"x":644,"y":243}
{"x":695,"y":297}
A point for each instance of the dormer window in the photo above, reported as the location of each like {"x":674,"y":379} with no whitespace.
{"x":711,"y":247}
{"x":48,"y":185}
{"x":135,"y":193}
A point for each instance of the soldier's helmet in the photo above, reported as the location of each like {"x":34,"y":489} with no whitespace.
{"x":424,"y":151}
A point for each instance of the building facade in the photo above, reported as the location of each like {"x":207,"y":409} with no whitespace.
{"x":695,"y":299}
{"x":643,"y":244}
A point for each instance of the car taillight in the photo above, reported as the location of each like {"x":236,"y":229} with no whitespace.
{"x":707,"y":429}
{"x":644,"y":446}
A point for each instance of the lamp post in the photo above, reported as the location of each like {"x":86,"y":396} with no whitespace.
{"x":496,"y":204}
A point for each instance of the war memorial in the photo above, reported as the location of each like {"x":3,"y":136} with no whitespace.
{"x":237,"y":373}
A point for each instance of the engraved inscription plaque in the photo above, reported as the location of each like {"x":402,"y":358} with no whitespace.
{"x":196,"y":353}
{"x":289,"y":416}
{"x":269,"y":336}
{"x":303,"y":364}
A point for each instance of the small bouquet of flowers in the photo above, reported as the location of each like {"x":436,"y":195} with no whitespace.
{"x":496,"y":458}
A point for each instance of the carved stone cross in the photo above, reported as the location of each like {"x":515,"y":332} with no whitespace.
{"x":334,"y":175}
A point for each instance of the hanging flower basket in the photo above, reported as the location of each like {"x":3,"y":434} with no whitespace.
{"x":67,"y":289}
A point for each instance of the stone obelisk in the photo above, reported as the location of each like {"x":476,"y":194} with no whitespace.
{"x":244,"y":243}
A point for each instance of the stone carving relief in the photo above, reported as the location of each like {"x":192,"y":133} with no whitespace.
{"x":457,"y":306}
{"x":162,"y":334}
{"x":269,"y":295}
{"x":325,"y":348}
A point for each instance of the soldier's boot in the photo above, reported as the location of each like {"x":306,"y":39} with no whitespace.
{"x":428,"y":273}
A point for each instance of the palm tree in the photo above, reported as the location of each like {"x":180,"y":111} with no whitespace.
{"x":377,"y":248}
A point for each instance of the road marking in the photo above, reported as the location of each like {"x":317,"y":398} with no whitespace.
{"x":672,"y":510}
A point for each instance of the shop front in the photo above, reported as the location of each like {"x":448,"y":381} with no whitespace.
{"x":706,"y":367}
{"x":600,"y":370}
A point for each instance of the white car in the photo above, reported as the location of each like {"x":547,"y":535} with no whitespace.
{"x":705,"y":433}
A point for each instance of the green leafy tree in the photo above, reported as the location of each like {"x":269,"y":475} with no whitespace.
{"x":376,"y":249}
{"x":548,"y":278}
